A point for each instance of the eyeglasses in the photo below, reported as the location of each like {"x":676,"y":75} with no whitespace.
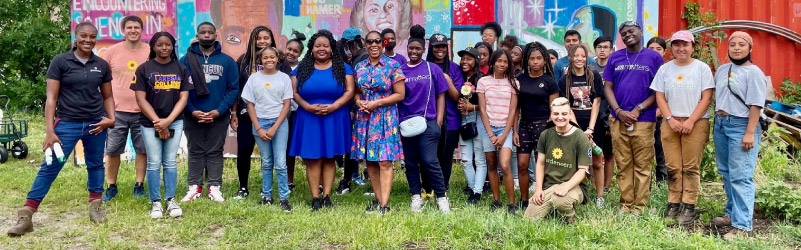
{"x":603,"y":47}
{"x":629,"y":24}
{"x":372,"y":41}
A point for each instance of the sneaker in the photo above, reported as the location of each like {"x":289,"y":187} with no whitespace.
{"x":267,"y":201}
{"x":474,"y":198}
{"x":467,"y":191}
{"x":111,"y":191}
{"x":722,"y":221}
{"x":139,"y":190}
{"x":511,"y":209}
{"x":24,"y":224}
{"x":495,"y":205}
{"x":735,"y":233}
{"x":316,"y":204}
{"x":215,"y":194}
{"x":417,"y":203}
{"x":291,"y":186}
{"x":285,"y":206}
{"x":688,"y":215}
{"x":193,"y":193}
{"x":600,"y":202}
{"x":487,"y":187}
{"x":369,"y":192}
{"x":383,"y":210}
{"x":173,"y":208}
{"x":327,"y":202}
{"x":358,"y":180}
{"x":96,"y":212}
{"x":372,"y":207}
{"x":343,"y":188}
{"x":241,"y":194}
{"x":517,"y":184}
{"x":673,"y":210}
{"x":155,"y":209}
{"x":523,"y":204}
{"x":606,"y":190}
{"x":444,"y":204}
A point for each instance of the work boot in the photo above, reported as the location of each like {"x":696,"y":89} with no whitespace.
{"x":96,"y":212}
{"x":688,"y":215}
{"x":24,"y":224}
{"x":673,"y":210}
{"x":722,"y":221}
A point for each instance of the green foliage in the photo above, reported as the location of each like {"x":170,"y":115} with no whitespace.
{"x":779,"y":200}
{"x":706,"y":42}
{"x":32,"y":32}
{"x":790,"y":92}
{"x":775,"y":161}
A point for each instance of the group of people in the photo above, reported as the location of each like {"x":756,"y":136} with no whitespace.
{"x":521,"y":117}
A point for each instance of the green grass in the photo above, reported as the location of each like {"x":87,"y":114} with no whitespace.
{"x":62,"y":221}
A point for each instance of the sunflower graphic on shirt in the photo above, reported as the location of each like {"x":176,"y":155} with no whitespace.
{"x":557,"y":153}
{"x":680,"y":77}
{"x":132,"y":65}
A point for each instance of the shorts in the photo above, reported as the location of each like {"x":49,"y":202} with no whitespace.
{"x":487,"y":144}
{"x":118,"y":135}
{"x":529,"y":135}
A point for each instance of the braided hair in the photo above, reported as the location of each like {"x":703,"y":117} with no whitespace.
{"x":153,"y":41}
{"x":571,"y":52}
{"x":306,"y":66}
{"x":510,"y":71}
{"x":249,"y":60}
{"x":537,"y":46}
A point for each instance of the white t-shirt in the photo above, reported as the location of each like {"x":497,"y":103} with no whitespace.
{"x":267,"y":93}
{"x":747,"y":81}
{"x":682,"y":86}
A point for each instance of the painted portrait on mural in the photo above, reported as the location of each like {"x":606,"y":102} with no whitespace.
{"x":377,"y":15}
{"x":593,"y":21}
{"x":235,"y":19}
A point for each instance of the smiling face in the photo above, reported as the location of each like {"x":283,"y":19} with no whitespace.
{"x":579,"y":58}
{"x":571,"y":40}
{"x":263,"y":39}
{"x":682,"y":50}
{"x":381,"y":14}
{"x":292,"y":52}
{"x":269,"y":59}
{"x":373,"y":45}
{"x":536,"y":61}
{"x":485,"y":55}
{"x":415,"y":51}
{"x":501,"y":64}
{"x":468,"y":63}
{"x":439,"y":52}
{"x":658,"y":48}
{"x":132,"y":31}
{"x":738,"y":48}
{"x":560,"y":115}
{"x":86,"y":38}
{"x":163,"y":48}
{"x":322,"y":49}
{"x":489,"y":36}
{"x":631,"y":35}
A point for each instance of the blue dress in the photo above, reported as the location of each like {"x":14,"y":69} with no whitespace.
{"x":314,"y":136}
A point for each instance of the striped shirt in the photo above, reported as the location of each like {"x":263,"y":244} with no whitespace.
{"x":498,"y":93}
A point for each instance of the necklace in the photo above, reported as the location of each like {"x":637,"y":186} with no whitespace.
{"x":635,"y":58}
{"x":563,"y":133}
{"x":206,"y":57}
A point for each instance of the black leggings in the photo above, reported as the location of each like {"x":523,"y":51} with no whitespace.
{"x":245,"y":142}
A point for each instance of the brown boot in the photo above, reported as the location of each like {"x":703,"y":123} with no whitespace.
{"x":722,"y":221}
{"x":24,"y":224}
{"x":96,"y":212}
{"x":688,"y":215}
{"x":673,"y":209}
{"x":735,"y":233}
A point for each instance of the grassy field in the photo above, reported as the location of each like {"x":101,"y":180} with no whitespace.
{"x":62,"y":221}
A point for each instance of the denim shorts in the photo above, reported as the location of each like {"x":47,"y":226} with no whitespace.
{"x":487,"y":143}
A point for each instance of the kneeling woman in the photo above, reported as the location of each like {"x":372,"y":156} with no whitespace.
{"x":564,"y":155}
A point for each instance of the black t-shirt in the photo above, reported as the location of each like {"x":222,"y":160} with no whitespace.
{"x":582,"y":94}
{"x":79,"y":96}
{"x":534,"y":96}
{"x":162,"y":84}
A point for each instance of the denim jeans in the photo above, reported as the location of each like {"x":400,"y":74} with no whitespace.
{"x":273,"y":155}
{"x":69,"y":132}
{"x":161,"y":154}
{"x":737,"y":168}
{"x":420,"y":154}
{"x":508,"y":143}
{"x":475,"y":171}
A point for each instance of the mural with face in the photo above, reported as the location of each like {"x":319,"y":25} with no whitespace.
{"x":236,"y":19}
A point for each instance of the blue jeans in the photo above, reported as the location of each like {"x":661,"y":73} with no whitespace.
{"x":273,"y":155}
{"x":161,"y":154}
{"x":508,"y":143}
{"x":420,"y":153}
{"x":69,"y":132}
{"x":474,"y":171}
{"x":737,"y":168}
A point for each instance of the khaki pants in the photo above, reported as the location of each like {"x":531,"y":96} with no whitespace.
{"x":634,"y":155}
{"x":566,"y":205}
{"x":683,"y":157}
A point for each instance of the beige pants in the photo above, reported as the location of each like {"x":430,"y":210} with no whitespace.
{"x":634,"y":155}
{"x":683,"y":157}
{"x":566,"y":205}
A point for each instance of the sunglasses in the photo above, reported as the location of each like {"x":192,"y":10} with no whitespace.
{"x":373,"y":41}
{"x":629,"y":24}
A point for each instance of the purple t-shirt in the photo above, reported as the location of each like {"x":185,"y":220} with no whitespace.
{"x":417,"y":86}
{"x":452,"y":115}
{"x":399,"y":58}
{"x":631,"y":74}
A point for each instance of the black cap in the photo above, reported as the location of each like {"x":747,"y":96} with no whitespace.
{"x":437,"y":39}
{"x":469,"y":50}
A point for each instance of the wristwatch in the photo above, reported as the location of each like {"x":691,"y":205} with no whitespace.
{"x":668,"y":118}
{"x":640,"y":107}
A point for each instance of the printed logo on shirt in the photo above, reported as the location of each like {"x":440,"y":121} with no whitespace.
{"x":680,"y":77}
{"x":635,"y":67}
{"x":95,"y":70}
{"x":418,"y":78}
{"x":165,"y":82}
{"x":542,"y":85}
{"x":581,"y":97}
{"x":589,"y":153}
{"x":213,"y":72}
{"x":557,"y":154}
{"x":132,"y":65}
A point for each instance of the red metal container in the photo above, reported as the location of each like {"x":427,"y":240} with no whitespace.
{"x":777,"y":56}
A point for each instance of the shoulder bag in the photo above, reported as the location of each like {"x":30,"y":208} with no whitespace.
{"x":762,"y":122}
{"x":416,"y":125}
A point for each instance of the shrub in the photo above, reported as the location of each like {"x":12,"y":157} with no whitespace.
{"x":779,"y":200}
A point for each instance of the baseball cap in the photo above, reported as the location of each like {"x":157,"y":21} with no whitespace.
{"x":682,"y":35}
{"x":351,"y":33}
{"x":469,"y":50}
{"x":437,"y":39}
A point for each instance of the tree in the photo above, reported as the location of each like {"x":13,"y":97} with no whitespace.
{"x":32,"y":32}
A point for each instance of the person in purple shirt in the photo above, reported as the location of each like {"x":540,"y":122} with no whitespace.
{"x":425,"y":96}
{"x":389,"y":46}
{"x":627,"y":77}
{"x":449,"y":140}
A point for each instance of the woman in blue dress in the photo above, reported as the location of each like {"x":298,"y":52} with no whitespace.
{"x":323,"y":85}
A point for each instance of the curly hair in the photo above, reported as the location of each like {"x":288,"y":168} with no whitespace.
{"x":494,"y":26}
{"x":405,"y":18}
{"x":571,"y":52}
{"x":510,"y":71}
{"x":153,"y":41}
{"x":537,"y":46}
{"x":510,"y":41}
{"x":249,"y":60}
{"x":306,"y":66}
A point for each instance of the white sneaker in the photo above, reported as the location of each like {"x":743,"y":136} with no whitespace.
{"x":155,"y":210}
{"x":444,"y":205}
{"x":517,"y":184}
{"x":417,"y":203}
{"x":215,"y":194}
{"x":193,"y":193}
{"x":599,"y":201}
{"x":173,"y":208}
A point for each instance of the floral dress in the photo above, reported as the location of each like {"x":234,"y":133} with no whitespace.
{"x":375,"y":135}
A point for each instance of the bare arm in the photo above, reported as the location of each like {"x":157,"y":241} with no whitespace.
{"x":144,"y":105}
{"x":482,"y":103}
{"x":350,"y":91}
{"x":453,"y":93}
{"x":511,"y":121}
{"x":299,"y":99}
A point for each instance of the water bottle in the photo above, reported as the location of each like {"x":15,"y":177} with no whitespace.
{"x":630,"y":128}
{"x":59,"y":152}
{"x":596,"y":150}
{"x":49,"y":156}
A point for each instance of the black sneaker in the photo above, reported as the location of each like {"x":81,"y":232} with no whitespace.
{"x":495,"y":206}
{"x":285,"y":206}
{"x":267,"y":201}
{"x":384,"y":210}
{"x":343,"y":188}
{"x":524,"y":204}
{"x":511,"y":209}
{"x":327,"y":202}
{"x":291,"y":186}
{"x":474,"y":198}
{"x":372,"y":207}
{"x":467,"y":191}
{"x":487,"y":187}
{"x":316,"y":204}
{"x":241,"y":194}
{"x":139,"y":190}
